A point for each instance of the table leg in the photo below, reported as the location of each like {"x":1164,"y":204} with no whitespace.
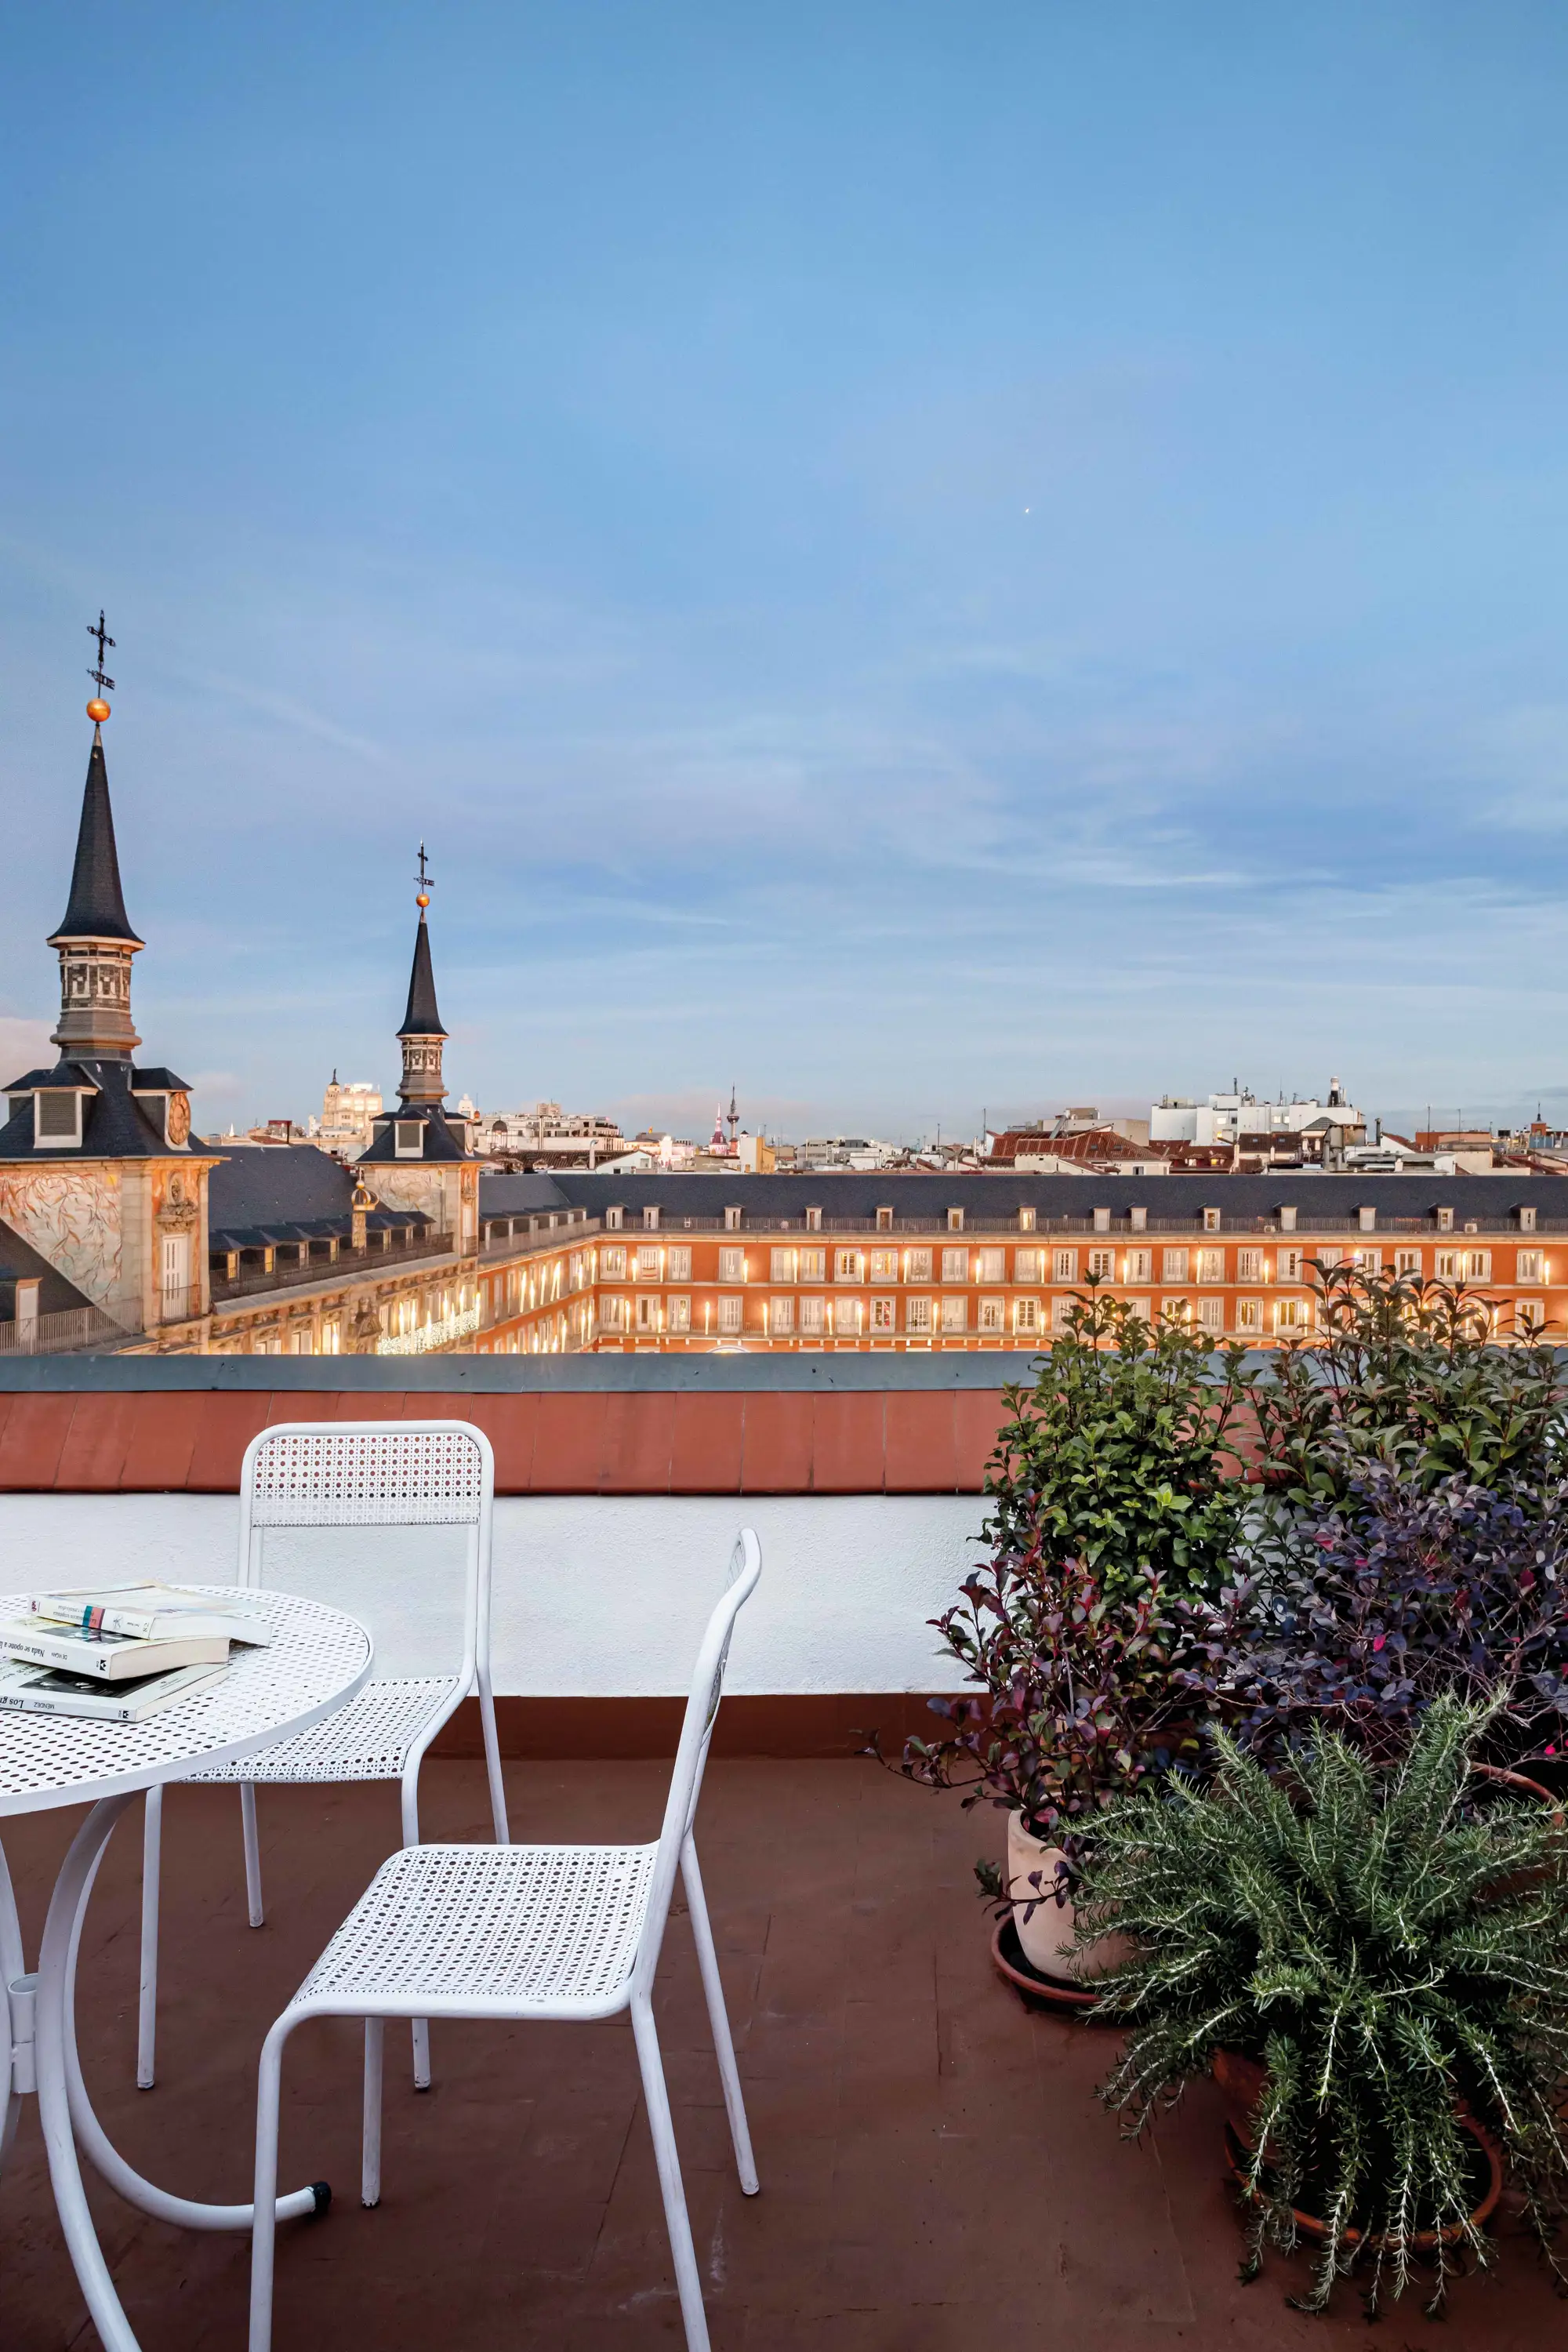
{"x":54,"y":2096}
{"x":107,"y":2160}
{"x":12,"y":1967}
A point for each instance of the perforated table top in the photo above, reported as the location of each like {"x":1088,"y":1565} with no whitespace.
{"x":318,"y":1658}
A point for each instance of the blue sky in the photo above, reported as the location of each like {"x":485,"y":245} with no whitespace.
{"x":914,"y":558}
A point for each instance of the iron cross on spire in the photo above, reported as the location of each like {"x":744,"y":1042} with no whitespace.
{"x":105,"y":684}
{"x":425,"y":878}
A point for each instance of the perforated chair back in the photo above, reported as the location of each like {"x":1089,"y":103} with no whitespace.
{"x":375,"y":1473}
{"x":695,"y":1739}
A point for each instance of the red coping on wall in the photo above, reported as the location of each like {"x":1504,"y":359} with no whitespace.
{"x":898,"y":1442}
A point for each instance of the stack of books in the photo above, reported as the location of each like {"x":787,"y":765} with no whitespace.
{"x":120,"y":1652}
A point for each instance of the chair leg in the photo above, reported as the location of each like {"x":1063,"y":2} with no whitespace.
{"x":421,"y":2025}
{"x":719,"y":2019}
{"x":492,"y":1761}
{"x":252,"y":1852}
{"x":151,"y":1865}
{"x":665,"y":2157}
{"x":370,"y":2159}
{"x":264,"y":2216}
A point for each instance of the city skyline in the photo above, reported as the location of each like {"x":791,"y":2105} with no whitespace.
{"x":916,"y":573}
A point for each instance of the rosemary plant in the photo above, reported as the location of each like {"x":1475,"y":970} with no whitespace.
{"x":1387,"y":1950}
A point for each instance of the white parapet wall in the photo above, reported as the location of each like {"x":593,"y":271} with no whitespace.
{"x":593,"y":1596}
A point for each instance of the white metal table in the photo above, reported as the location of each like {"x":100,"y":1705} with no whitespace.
{"x":319,"y":1659}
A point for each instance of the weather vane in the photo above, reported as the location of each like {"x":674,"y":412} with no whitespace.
{"x":105,"y":684}
{"x":426,"y":879}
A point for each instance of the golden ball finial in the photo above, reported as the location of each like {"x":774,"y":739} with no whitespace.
{"x":98,"y":709}
{"x":422,"y":898}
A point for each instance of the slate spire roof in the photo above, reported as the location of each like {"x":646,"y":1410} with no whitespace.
{"x":422,"y":1018}
{"x":96,"y":908}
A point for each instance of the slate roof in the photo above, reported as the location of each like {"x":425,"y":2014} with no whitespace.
{"x":114,"y":1126}
{"x":97,"y":908}
{"x":440,"y":1143}
{"x":261,"y":1193}
{"x":421,"y":1018}
{"x":505,"y":1196}
{"x":1243,"y":1201}
{"x":19,"y":1259}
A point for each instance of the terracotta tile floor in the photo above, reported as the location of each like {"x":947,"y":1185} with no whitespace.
{"x":937,"y":2173}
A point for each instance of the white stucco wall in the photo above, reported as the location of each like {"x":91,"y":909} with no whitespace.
{"x":593,"y":1595}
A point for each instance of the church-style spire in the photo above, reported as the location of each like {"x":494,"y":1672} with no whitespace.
{"x":95,"y":941}
{"x":421,"y":1035}
{"x":96,"y":908}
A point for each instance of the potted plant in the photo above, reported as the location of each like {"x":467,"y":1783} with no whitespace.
{"x":1077,"y":1706}
{"x":1385,"y":1967}
{"x":1113,"y":1487}
{"x":1359,"y":1611}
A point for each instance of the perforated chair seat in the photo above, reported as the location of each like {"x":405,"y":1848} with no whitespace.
{"x":513,"y":1929}
{"x":369,"y":1739}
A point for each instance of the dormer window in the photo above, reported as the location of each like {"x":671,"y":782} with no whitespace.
{"x":1445,"y":1220}
{"x":613,"y":1217}
{"x":884,"y":1221}
{"x":1527,"y":1221}
{"x":1025,"y":1221}
{"x":57,"y":1119}
{"x":814,"y":1221}
{"x":731,"y":1220}
{"x":650,"y":1220}
{"x":956,"y":1221}
{"x":408,"y":1138}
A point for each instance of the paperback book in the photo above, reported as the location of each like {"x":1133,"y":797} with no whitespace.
{"x":105,"y":1658}
{"x":39,"y":1690}
{"x":151,"y":1613}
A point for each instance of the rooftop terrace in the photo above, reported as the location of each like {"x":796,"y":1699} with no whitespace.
{"x":936,"y":2170}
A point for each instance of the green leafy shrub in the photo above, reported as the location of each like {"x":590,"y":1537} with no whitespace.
{"x":1387,"y":1949}
{"x":1123,"y":1456}
{"x":1406,"y":1374}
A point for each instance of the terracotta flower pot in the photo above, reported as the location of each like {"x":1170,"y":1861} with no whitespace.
{"x":1046,"y":1933}
{"x":1241,"y":2080}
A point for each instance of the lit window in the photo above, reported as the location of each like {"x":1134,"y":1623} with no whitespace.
{"x":732,"y":1265}
{"x":1249,"y":1315}
{"x":1290,"y":1314}
{"x":812,"y":1266}
{"x":1102,"y":1264}
{"x":1025,"y":1314}
{"x":1478,"y":1265}
{"x":1289,"y":1265}
{"x":1064,"y":1265}
{"x":648,"y":1264}
{"x":917,"y":1315}
{"x":1139,"y":1265}
{"x":956,"y":1313}
{"x":1528,"y":1266}
{"x":849,"y":1317}
{"x":1407,"y":1261}
{"x":1179,"y":1310}
{"x":989,"y":1265}
{"x":782,"y":1262}
{"x":1368,"y":1261}
{"x":679,"y":1313}
{"x":731,"y":1310}
{"x":647,"y":1311}
{"x":1173,"y":1265}
{"x":1249,"y":1265}
{"x":993,"y":1314}
{"x":1529,"y":1315}
{"x":612,"y":1263}
{"x":848,"y":1265}
{"x":954,"y":1267}
{"x":613,"y":1315}
{"x":781,"y":1315}
{"x":884,"y":1313}
{"x":885,"y":1266}
{"x":1211,"y":1265}
{"x":917,"y":1266}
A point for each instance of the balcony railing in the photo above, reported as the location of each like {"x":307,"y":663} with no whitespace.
{"x":306,"y":1266}
{"x":61,"y":1334}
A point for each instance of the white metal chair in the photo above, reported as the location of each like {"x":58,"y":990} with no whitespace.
{"x":354,"y":1474}
{"x":536,"y":1931}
